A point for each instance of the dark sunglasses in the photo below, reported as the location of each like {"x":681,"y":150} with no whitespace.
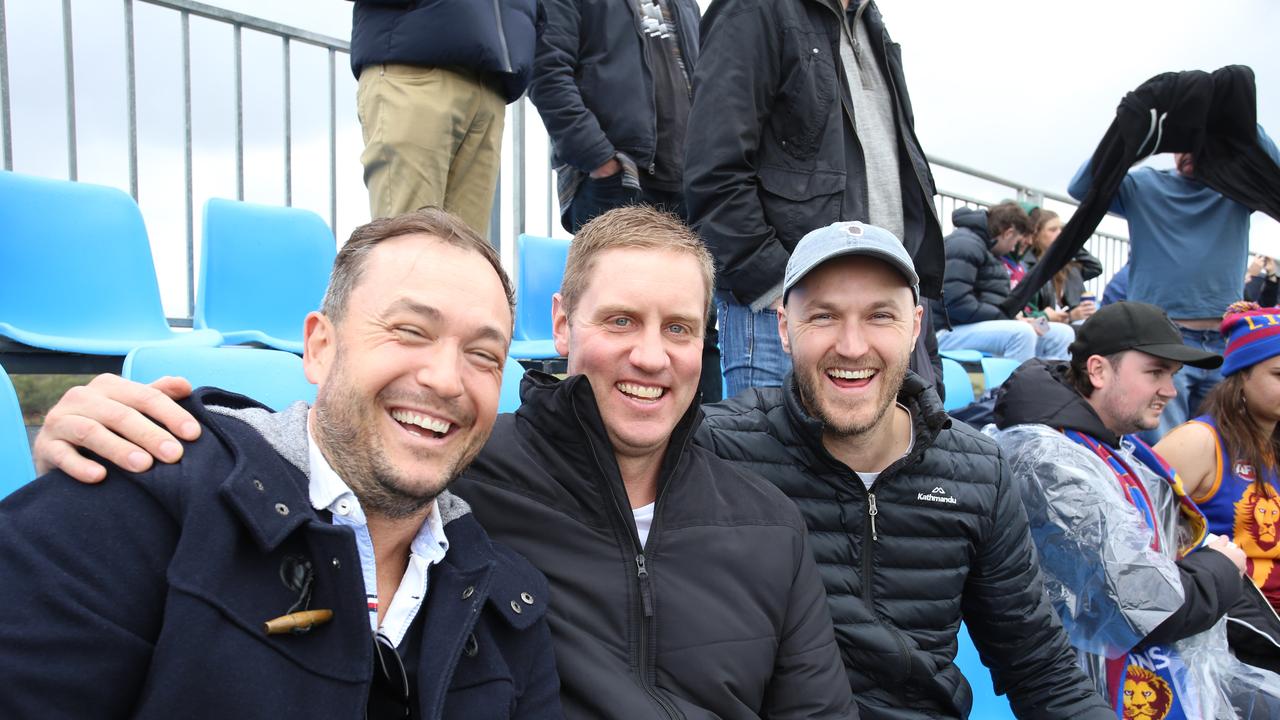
{"x":389,"y":693}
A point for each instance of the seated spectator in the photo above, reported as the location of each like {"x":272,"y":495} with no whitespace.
{"x":1139,"y":585}
{"x":1261,"y":284}
{"x":1117,"y":289}
{"x":977,"y":281}
{"x":1062,"y":299}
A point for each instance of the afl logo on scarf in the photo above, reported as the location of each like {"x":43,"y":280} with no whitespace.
{"x":1244,"y":471}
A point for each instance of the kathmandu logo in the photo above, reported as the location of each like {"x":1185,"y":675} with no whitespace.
{"x":937,"y":495}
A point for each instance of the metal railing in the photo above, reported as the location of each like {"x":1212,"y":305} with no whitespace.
{"x":526,"y":194}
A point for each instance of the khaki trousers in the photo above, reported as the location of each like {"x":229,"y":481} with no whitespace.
{"x":432,"y":136}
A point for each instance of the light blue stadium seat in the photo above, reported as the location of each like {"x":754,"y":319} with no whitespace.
{"x":956,"y":381}
{"x":963,"y":356}
{"x":272,"y":377}
{"x":512,"y":374}
{"x":539,"y":271}
{"x":987,"y":705}
{"x":15,"y":454}
{"x":996,"y":370}
{"x":76,"y":273}
{"x":262,"y":269}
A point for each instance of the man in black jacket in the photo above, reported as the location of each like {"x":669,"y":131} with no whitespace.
{"x":800,"y":118}
{"x":978,"y":279}
{"x":914,"y":521}
{"x":435,"y":77}
{"x":613,"y":84}
{"x":1139,"y":586}
{"x":682,"y":587}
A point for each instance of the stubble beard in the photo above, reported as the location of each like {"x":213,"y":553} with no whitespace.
{"x":807,"y":383}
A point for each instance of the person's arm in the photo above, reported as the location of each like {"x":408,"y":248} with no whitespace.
{"x":1079,"y":186}
{"x":1090,"y":266}
{"x":808,"y":679}
{"x":123,"y":422}
{"x":734,"y":89}
{"x":1210,"y":586}
{"x":1192,"y":452}
{"x":1268,"y":146}
{"x":1013,"y":624}
{"x":541,"y":697}
{"x":82,"y":579}
{"x":574,"y":130}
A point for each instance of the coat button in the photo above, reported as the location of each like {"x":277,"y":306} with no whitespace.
{"x":337,"y":563}
{"x":527,"y":598}
{"x":516,"y":607}
{"x":257,"y":484}
{"x":815,"y":51}
{"x":471,"y":590}
{"x":282,"y":508}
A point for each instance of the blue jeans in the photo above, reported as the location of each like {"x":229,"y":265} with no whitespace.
{"x":1192,"y":383}
{"x":1010,"y":339}
{"x":749,"y":346}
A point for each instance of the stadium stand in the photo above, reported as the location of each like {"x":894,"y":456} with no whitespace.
{"x":539,"y":270}
{"x":956,"y":381}
{"x":15,"y":455}
{"x":996,"y":370}
{"x":272,"y":377}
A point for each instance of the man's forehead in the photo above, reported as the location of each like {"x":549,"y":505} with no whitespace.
{"x":854,"y":271}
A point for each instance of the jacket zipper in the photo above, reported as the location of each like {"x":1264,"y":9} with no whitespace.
{"x":502,"y":36}
{"x":871,"y":513}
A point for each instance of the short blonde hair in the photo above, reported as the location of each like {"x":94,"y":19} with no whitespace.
{"x":638,"y":226}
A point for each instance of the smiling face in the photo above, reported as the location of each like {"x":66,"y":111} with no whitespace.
{"x":636,"y":334}
{"x":1130,"y":395}
{"x":409,"y":377}
{"x":849,"y":326}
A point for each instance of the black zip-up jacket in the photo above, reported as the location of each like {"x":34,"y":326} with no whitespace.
{"x":771,"y":153}
{"x":593,"y":81}
{"x":720,"y":615}
{"x":494,"y":37}
{"x":977,"y":281}
{"x":947,"y":540}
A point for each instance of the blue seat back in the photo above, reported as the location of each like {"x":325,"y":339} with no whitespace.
{"x":987,"y":705}
{"x":262,"y":268}
{"x":512,"y":374}
{"x":956,"y":381}
{"x":539,"y":272}
{"x":15,"y":454}
{"x":75,"y":262}
{"x":272,"y":377}
{"x":996,"y":370}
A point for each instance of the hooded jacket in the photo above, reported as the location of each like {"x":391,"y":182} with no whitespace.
{"x":947,"y":540}
{"x":1115,"y":592}
{"x":145,"y":596}
{"x":976,"y":281}
{"x":720,"y":614}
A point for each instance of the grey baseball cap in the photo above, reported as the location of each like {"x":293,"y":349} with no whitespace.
{"x":849,"y":238}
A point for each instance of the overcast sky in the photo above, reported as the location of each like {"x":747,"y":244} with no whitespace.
{"x":1020,"y":89}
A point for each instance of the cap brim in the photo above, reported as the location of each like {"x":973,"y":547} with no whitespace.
{"x":1184,"y":354}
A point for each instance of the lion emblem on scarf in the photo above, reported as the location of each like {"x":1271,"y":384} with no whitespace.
{"x":1146,"y":695}
{"x":1258,"y":530}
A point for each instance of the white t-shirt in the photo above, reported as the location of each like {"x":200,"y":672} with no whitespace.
{"x":644,"y":521}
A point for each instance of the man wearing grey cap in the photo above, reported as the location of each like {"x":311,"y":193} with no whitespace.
{"x":913,"y":521}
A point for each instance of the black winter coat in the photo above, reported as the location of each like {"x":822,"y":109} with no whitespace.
{"x":721,"y":614}
{"x":771,"y":153}
{"x":487,"y":36}
{"x":948,"y":541}
{"x":593,"y":82}
{"x":977,"y":281}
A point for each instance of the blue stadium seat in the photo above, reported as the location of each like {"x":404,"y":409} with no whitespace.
{"x":996,"y":370}
{"x":272,"y":377}
{"x":539,"y":271}
{"x":15,"y":454}
{"x":956,"y":381}
{"x":262,"y":269}
{"x":987,"y":705}
{"x":76,"y":273}
{"x":512,"y":374}
{"x":963,"y":356}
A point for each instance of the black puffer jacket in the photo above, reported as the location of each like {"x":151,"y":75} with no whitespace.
{"x":720,"y":615}
{"x":771,"y":152}
{"x":976,"y":279}
{"x":487,"y":36}
{"x":948,"y":541}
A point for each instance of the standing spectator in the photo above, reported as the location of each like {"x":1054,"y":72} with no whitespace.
{"x":1061,"y":300}
{"x":613,"y":84}
{"x":1117,"y":289}
{"x":1261,"y":284}
{"x":435,"y":77}
{"x":1188,"y":247}
{"x":978,"y":281}
{"x":800,"y":118}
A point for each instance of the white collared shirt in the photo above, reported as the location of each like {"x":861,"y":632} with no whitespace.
{"x":329,"y":492}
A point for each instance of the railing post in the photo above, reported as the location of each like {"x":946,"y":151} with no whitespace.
{"x":69,"y":69}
